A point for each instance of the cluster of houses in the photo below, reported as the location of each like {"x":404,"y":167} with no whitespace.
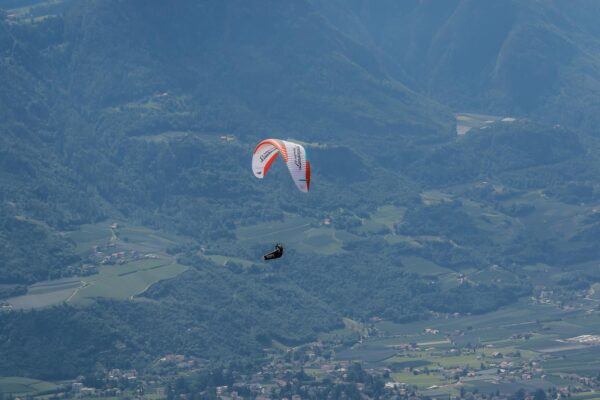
{"x":104,"y":256}
{"x":275,"y":377}
{"x":113,"y":378}
{"x":592,"y":340}
{"x":580,"y":383}
{"x":116,"y":374}
{"x":309,"y":369}
{"x":79,"y":390}
{"x":180,"y":361}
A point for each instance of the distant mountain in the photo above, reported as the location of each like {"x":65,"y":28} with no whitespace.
{"x":517,"y":57}
{"x":239,"y":68}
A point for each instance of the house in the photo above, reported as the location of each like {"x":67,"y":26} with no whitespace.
{"x":221,"y":390}
{"x":87,"y":391}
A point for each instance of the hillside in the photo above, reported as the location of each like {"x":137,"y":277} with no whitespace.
{"x":124,"y":124}
{"x":254,"y":73}
{"x":519,"y":57}
{"x":82,"y":101}
{"x":126,"y":134}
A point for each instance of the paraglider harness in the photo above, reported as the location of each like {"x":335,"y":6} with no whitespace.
{"x":277,"y":253}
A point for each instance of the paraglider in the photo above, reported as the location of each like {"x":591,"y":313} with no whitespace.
{"x":277,"y":253}
{"x":293,"y":154}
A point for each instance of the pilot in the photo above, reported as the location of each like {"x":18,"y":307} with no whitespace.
{"x":274,"y":254}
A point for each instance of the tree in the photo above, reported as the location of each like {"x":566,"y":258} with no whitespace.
{"x":539,"y":394}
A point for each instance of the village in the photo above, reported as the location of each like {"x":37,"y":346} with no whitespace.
{"x":314,"y":369}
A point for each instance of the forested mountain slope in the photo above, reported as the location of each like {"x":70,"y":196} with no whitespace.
{"x":83,"y":90}
{"x":264,"y":62}
{"x":522,"y":57}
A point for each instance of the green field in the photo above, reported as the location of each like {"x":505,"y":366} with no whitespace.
{"x":586,"y":396}
{"x":298,"y":233}
{"x":384,"y":217}
{"x":422,"y":266}
{"x":46,"y":293}
{"x":126,"y":281}
{"x":223,"y":260}
{"x":311,"y":235}
{"x":292,"y":226}
{"x":490,"y":326}
{"x":132,"y":278}
{"x":90,"y":235}
{"x":111,"y":281}
{"x":317,"y":373}
{"x":422,"y":381}
{"x":492,"y":274}
{"x":499,"y":339}
{"x":585,"y":361}
{"x":129,"y":236}
{"x":119,"y":281}
{"x":428,"y":358}
{"x":19,"y":385}
{"x":146,"y":238}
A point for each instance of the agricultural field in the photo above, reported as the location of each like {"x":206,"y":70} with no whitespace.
{"x":320,"y":237}
{"x":47,"y":293}
{"x":304,"y":233}
{"x":90,"y":235}
{"x":118,"y":233}
{"x":125,"y":281}
{"x":466,"y":122}
{"x":224,"y":260}
{"x":292,"y":226}
{"x":124,"y":261}
{"x":581,"y":361}
{"x":24,"y":386}
{"x":502,"y":350}
{"x":382,"y":220}
{"x":421,"y":381}
{"x":421,"y":266}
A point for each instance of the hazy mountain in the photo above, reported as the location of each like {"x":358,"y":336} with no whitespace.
{"x":239,"y":67}
{"x":522,"y":57}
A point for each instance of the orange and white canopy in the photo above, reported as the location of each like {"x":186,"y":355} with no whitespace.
{"x":293,"y":154}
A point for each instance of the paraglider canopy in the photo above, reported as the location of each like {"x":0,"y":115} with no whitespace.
{"x":293,"y":154}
